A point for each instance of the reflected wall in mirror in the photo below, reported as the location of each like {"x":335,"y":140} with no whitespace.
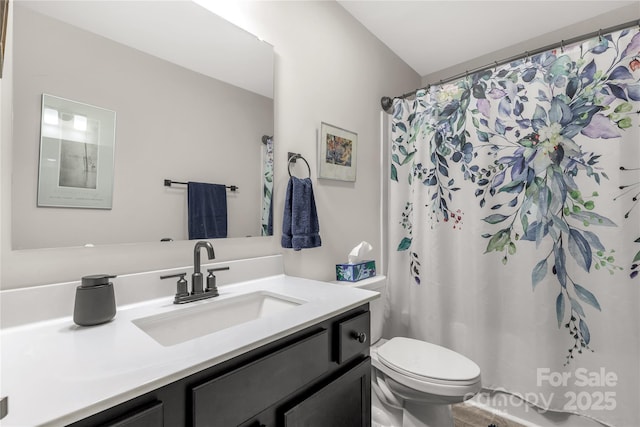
{"x":172,"y":122}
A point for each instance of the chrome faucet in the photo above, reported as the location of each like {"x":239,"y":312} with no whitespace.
{"x":198,"y":292}
{"x":196,"y":277}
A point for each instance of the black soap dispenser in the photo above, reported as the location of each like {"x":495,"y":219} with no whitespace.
{"x":95,"y":300}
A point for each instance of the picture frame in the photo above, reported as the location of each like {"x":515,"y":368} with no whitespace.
{"x":77,"y":153}
{"x":337,"y":153}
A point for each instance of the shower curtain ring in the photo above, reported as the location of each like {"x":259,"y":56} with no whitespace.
{"x":562,"y":46}
{"x":600,"y":35}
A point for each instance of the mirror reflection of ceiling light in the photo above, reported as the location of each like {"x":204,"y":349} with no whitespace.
{"x":51,"y":116}
{"x":80,"y":122}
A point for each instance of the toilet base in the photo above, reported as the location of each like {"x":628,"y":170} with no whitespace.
{"x":383,"y":415}
{"x":420,"y":415}
{"x":411,"y":415}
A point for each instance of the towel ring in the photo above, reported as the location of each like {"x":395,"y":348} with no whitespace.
{"x":292,"y":159}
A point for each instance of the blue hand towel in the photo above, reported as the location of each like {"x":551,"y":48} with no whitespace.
{"x":300,"y":227}
{"x":207,"y":210}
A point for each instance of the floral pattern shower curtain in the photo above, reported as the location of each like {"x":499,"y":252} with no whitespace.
{"x":515,"y":225}
{"x":266,"y":222}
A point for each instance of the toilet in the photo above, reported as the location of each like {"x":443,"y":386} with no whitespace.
{"x":414,"y":383}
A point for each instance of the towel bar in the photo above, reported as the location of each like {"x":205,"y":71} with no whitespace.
{"x":168,"y":182}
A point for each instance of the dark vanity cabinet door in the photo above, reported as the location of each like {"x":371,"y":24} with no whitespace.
{"x":233,"y":397}
{"x":346,"y":401}
{"x":147,"y":416}
{"x":352,"y":337}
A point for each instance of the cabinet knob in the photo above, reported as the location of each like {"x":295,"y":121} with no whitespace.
{"x":361,"y":337}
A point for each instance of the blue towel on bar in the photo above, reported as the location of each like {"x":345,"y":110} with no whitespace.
{"x":300,"y":227}
{"x":207,"y":210}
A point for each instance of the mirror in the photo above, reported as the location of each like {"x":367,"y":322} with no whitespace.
{"x":193,"y":97}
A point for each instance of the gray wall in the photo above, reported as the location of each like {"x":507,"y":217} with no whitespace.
{"x":328,"y":68}
{"x":171,"y":123}
{"x":331,"y":69}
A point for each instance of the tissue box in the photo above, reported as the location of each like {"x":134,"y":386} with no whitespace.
{"x":355,"y":272}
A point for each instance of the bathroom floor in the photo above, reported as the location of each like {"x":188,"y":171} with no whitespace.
{"x":465,"y":415}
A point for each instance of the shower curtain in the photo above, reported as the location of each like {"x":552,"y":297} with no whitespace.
{"x":266,"y":221}
{"x":514,"y":226}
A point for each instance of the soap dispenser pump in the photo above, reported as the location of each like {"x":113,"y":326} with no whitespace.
{"x":95,"y":300}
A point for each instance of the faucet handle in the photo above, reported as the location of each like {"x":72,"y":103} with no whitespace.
{"x":211,"y":280}
{"x":182,"y":285}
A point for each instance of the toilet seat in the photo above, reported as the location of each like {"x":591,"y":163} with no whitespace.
{"x":423,"y":361}
{"x":424,"y":365}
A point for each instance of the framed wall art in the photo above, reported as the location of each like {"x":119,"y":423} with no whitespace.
{"x":77,"y":144}
{"x":337,"y":153}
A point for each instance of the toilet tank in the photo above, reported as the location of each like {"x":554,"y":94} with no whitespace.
{"x":376,"y":307}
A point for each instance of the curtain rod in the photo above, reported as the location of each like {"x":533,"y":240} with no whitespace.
{"x":387,"y":102}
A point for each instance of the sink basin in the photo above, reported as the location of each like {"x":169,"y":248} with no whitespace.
{"x":212,"y":316}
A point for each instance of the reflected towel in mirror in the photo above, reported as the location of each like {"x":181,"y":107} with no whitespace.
{"x":300,"y":227}
{"x":207,"y":210}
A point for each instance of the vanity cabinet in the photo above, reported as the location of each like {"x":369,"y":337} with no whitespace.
{"x":226,"y":400}
{"x":319,"y":376}
{"x":346,"y":401}
{"x":147,"y":416}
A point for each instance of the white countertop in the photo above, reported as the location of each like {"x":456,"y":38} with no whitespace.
{"x":56,"y":373}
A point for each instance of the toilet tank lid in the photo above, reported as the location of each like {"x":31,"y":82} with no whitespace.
{"x":375,"y":283}
{"x":422,"y":359}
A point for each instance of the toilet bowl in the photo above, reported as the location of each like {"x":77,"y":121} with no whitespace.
{"x":414,"y":383}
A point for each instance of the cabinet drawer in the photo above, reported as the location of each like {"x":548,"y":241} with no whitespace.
{"x":232,"y":398}
{"x":352,"y":337}
{"x":147,"y":416}
{"x":346,"y":401}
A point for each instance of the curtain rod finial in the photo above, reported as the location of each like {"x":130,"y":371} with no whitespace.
{"x":386,"y":103}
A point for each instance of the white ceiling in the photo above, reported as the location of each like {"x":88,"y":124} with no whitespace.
{"x":431,"y":36}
